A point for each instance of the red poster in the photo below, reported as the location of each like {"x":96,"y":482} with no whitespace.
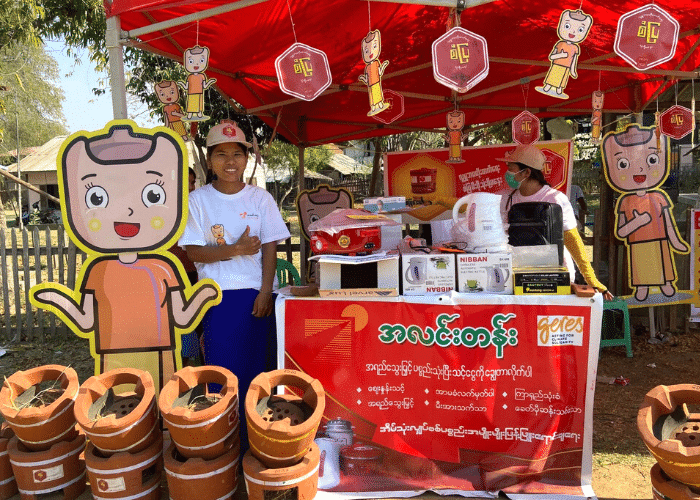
{"x":677,"y":122}
{"x":426,"y":174}
{"x":491,"y":394}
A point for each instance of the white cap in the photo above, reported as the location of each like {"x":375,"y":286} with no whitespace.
{"x":527,"y":154}
{"x":226,"y":131}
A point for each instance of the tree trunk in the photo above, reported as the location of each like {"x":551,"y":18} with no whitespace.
{"x":375,"y":167}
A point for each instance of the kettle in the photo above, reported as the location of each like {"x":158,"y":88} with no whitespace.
{"x":482,"y":228}
{"x":496,"y":278}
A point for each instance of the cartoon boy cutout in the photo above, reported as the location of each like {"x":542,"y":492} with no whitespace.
{"x":454,"y":136}
{"x":196,"y":61}
{"x":123,"y":200}
{"x":573,"y":28}
{"x":636,"y":167}
{"x":372,"y":77}
{"x":169,"y":95}
{"x":597,"y":117}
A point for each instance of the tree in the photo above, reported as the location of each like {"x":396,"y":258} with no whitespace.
{"x":33,"y":96}
{"x":282,"y":158}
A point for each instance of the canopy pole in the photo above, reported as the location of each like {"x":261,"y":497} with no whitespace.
{"x":303,"y":263}
{"x":116,"y":68}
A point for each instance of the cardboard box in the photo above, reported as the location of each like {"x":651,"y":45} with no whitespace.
{"x":485,"y":272}
{"x":375,"y":275}
{"x":384,"y":203}
{"x":542,"y":281}
{"x":427,"y":273}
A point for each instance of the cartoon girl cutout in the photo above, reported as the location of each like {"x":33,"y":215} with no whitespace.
{"x":169,"y":95}
{"x":196,"y":61}
{"x":454,"y":135}
{"x":573,"y":28}
{"x":374,"y":70}
{"x":123,"y":199}
{"x":636,"y":167}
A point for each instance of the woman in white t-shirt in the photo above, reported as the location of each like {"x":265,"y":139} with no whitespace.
{"x":524,"y":176}
{"x":231,"y":235}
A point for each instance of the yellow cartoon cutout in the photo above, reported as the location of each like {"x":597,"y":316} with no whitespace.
{"x":597,"y":116}
{"x":573,"y":28}
{"x":169,"y":96}
{"x":196,"y":60}
{"x":636,"y":167}
{"x":124,"y":202}
{"x":454,"y":135}
{"x":372,"y":77}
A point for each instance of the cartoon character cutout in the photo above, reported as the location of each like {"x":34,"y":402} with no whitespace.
{"x":124,"y":202}
{"x":218,"y":231}
{"x":573,"y":28}
{"x":636,"y":167}
{"x":372,"y":77}
{"x":454,"y":135}
{"x":169,"y":95}
{"x":316,"y":204}
{"x":196,"y":60}
{"x":597,"y":116}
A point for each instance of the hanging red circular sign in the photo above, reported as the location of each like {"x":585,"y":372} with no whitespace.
{"x":460,"y":59}
{"x":526,"y":128}
{"x":303,"y":71}
{"x":676,"y":122}
{"x":646,"y":37}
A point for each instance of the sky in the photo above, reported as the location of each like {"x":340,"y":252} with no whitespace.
{"x":82,"y":109}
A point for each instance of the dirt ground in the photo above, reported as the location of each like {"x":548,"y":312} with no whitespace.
{"x":621,"y":462}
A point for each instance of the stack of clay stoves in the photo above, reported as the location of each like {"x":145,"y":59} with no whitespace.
{"x":281,"y":431}
{"x":41,"y":440}
{"x":202,"y":460}
{"x":124,"y":456}
{"x":672,"y":435}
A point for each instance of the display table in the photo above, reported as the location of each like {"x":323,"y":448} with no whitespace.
{"x":461,"y":393}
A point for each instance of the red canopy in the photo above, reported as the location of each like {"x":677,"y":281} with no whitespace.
{"x":520,"y":34}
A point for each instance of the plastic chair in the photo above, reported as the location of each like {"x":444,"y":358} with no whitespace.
{"x":282,"y":276}
{"x":615,"y":322}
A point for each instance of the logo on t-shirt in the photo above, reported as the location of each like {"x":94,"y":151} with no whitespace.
{"x":243,"y":215}
{"x":250,"y":216}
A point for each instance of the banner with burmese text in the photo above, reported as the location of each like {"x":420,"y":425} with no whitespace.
{"x":453,"y":394}
{"x":426,"y":174}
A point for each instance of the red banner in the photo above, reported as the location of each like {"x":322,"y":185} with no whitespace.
{"x":405,"y":171}
{"x":491,"y":394}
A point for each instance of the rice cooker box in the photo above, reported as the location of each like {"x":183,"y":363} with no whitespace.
{"x":485,"y":272}
{"x":427,"y":273}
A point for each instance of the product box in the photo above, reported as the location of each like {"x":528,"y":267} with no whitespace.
{"x":375,"y":275}
{"x":427,"y":273}
{"x":384,"y":203}
{"x":542,"y":281}
{"x":391,"y":235}
{"x":485,"y":272}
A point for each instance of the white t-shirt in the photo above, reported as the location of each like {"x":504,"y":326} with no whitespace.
{"x":218,"y":217}
{"x":550,"y":195}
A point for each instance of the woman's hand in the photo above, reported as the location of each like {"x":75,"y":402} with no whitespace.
{"x":246,"y":244}
{"x":263,"y":304}
{"x":608,"y":296}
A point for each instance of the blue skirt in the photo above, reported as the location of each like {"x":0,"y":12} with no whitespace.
{"x":237,"y":340}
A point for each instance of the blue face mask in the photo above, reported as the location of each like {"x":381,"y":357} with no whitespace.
{"x":510,"y":179}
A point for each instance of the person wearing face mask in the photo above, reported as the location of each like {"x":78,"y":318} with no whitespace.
{"x":524,"y":176}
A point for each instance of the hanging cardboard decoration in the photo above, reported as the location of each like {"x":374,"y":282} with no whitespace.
{"x":636,"y":168}
{"x":395,"y":108}
{"x":573,"y":28}
{"x":460,"y":59}
{"x":598,"y":99}
{"x":646,"y":37}
{"x":123,"y":193}
{"x":169,"y":96}
{"x":454,"y":135}
{"x":677,"y":122}
{"x":303,"y":72}
{"x":526,"y":128}
{"x":374,"y":70}
{"x":196,"y":60}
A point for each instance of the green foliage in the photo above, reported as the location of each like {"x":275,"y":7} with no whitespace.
{"x":33,"y":97}
{"x":283,"y":158}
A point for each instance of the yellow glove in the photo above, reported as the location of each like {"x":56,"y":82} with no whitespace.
{"x":574,"y":244}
